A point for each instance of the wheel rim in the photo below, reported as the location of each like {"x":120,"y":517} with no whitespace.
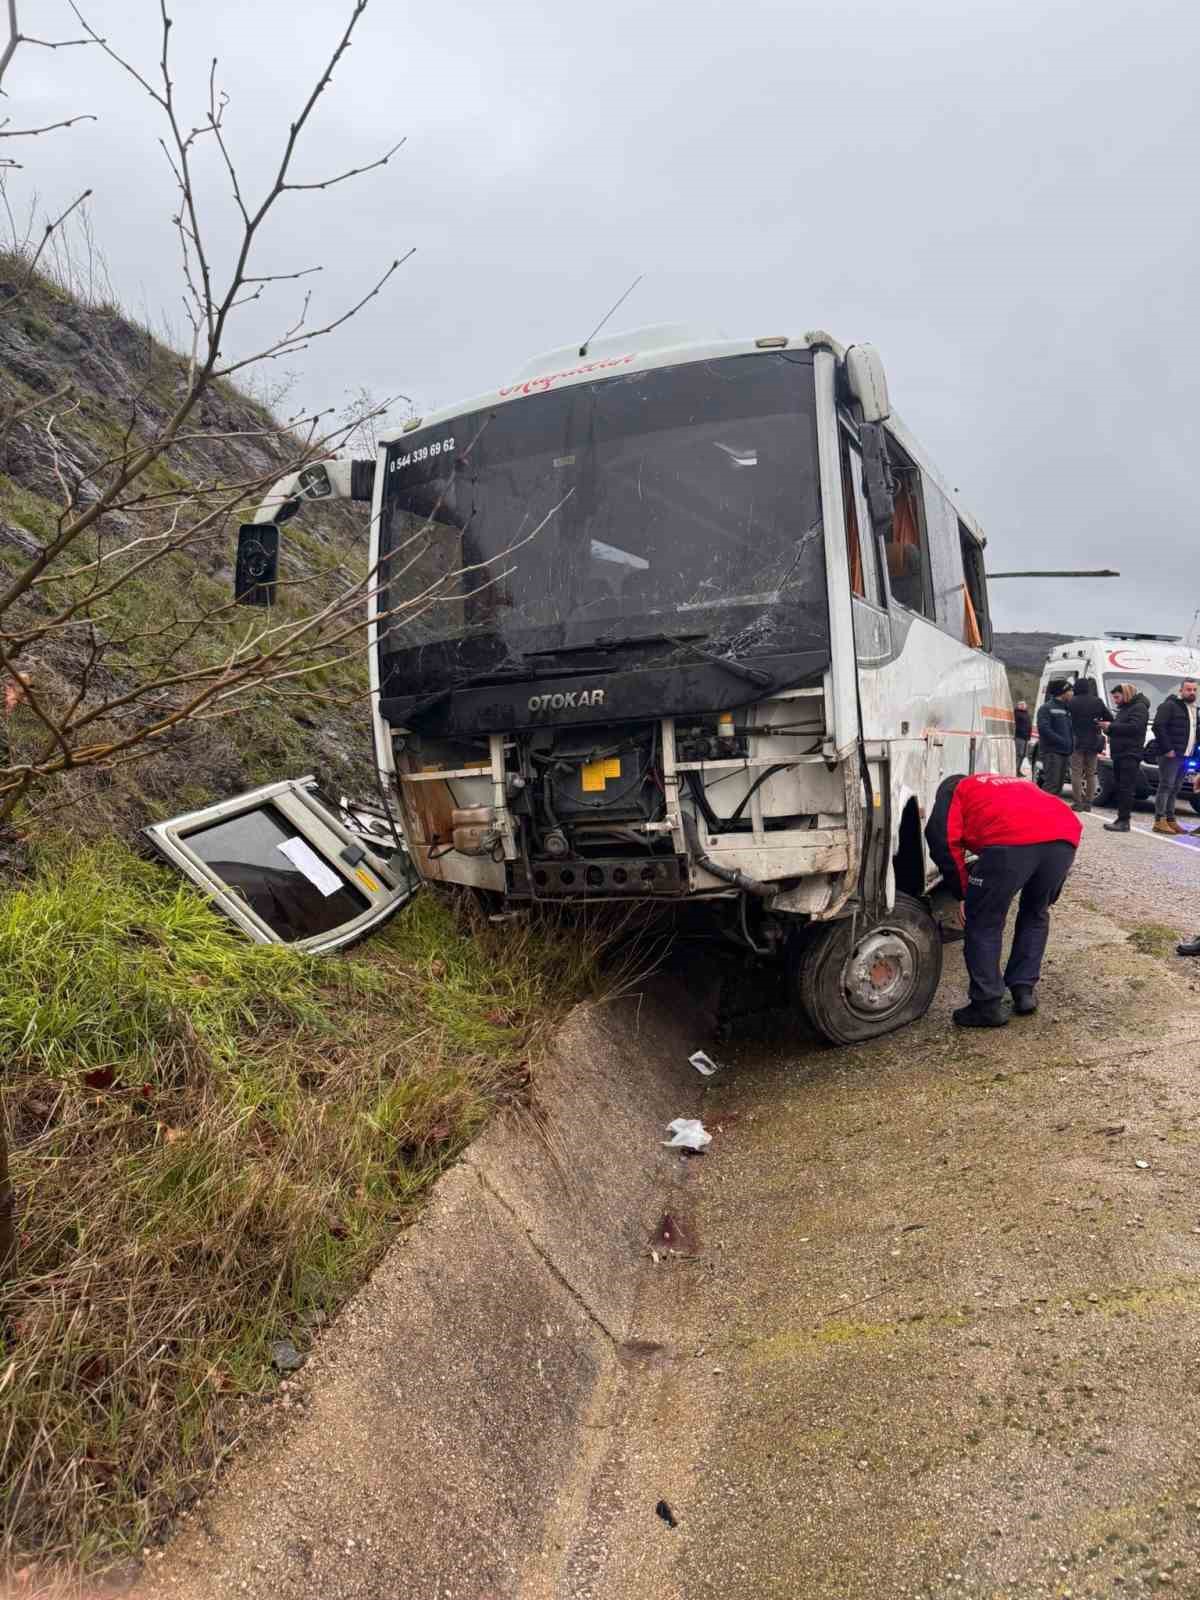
{"x":880,"y":973}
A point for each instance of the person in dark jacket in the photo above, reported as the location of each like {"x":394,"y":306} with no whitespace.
{"x":1089,"y":716}
{"x":1022,"y":728}
{"x":1126,"y":742}
{"x":1056,"y":734}
{"x":1024,"y":842}
{"x":1175,"y":741}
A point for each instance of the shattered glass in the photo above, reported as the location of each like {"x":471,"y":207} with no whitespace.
{"x":682,"y":500}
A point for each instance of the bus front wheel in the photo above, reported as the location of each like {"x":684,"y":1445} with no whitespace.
{"x":855,"y":983}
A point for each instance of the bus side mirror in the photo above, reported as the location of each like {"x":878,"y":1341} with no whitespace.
{"x":257,"y":564}
{"x":314,"y":482}
{"x":868,"y":382}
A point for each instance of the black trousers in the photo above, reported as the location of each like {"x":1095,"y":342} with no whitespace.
{"x":1037,"y":873}
{"x":1055,"y":768}
{"x":1125,"y":771}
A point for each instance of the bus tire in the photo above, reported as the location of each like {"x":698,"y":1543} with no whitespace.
{"x":1106,"y":784}
{"x":887,"y":978}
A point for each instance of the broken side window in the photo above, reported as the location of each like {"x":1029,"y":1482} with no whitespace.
{"x":286,"y":867}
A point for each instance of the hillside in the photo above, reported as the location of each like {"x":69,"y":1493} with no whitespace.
{"x":77,"y":383}
{"x":1024,"y":654}
{"x":1027,"y":652}
{"x":211,"y":1142}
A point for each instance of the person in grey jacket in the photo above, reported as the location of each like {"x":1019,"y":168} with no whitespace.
{"x":1056,"y":735}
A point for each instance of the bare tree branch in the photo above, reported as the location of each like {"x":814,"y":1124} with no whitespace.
{"x":109,"y":680}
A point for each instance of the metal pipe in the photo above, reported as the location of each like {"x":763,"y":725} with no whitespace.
{"x":730,"y":875}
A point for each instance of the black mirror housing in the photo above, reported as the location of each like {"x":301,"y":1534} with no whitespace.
{"x":877,"y":476}
{"x":257,"y":569}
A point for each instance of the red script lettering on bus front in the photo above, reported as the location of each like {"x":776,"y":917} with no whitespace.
{"x":532,"y":385}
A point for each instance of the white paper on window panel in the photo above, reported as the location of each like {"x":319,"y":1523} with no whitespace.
{"x":306,"y":860}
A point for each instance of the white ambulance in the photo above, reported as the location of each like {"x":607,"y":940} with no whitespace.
{"x":1155,"y":663}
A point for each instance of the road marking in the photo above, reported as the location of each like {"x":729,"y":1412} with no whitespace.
{"x":1186,"y":841}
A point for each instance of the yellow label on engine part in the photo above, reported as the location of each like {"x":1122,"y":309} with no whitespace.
{"x":595,"y":774}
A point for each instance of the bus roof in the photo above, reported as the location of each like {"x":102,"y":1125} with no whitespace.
{"x":660,"y":345}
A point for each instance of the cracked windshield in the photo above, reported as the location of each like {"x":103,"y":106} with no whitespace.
{"x":682,"y":501}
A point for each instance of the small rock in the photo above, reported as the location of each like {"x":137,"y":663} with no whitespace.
{"x":285,"y":1357}
{"x":1142,"y":1164}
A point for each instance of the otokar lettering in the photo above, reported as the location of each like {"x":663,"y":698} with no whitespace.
{"x":568,"y":700}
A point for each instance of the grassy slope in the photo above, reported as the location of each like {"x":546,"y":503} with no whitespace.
{"x":213,"y":1142}
{"x":118,"y":370}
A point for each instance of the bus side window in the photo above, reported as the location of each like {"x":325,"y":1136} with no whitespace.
{"x":977,"y":624}
{"x":861,"y":547}
{"x":906,"y":549}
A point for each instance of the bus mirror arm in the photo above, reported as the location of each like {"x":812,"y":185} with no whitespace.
{"x":257,"y":567}
{"x":877,"y":476}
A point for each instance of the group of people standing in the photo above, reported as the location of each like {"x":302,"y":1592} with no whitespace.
{"x":1074,"y":724}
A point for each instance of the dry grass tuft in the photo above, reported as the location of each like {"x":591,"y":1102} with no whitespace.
{"x":212,"y":1143}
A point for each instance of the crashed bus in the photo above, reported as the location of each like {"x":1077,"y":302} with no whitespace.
{"x":682,"y":623}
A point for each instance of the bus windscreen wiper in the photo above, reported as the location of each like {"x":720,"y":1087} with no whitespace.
{"x":471,"y":681}
{"x":604,"y":646}
{"x":607,"y":646}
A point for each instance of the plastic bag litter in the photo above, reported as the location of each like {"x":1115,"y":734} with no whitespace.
{"x":689,"y":1134}
{"x":704,"y":1064}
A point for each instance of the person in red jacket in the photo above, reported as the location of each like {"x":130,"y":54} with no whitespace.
{"x":1023,"y":841}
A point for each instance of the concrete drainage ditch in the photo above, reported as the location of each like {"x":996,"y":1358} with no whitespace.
{"x":445,"y":1430}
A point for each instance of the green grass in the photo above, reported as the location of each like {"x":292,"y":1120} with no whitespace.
{"x":212,"y":1142}
{"x":1154,"y":939}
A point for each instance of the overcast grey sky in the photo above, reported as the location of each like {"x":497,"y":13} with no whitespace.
{"x":1000,"y":194}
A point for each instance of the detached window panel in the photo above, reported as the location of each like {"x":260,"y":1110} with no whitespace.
{"x":294,"y":892}
{"x":287,"y":868}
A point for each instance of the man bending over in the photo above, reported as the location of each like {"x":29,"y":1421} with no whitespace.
{"x":1023,"y":842}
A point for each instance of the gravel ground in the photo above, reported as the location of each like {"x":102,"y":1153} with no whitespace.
{"x":938,"y":1336}
{"x":1142,"y":875}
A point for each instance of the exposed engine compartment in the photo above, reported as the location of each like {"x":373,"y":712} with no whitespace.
{"x":626,"y":809}
{"x":594,"y":814}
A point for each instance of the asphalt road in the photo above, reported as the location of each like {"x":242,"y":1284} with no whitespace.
{"x":933,"y":1327}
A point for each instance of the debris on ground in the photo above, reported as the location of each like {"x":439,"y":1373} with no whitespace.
{"x":673,"y":1236}
{"x":704,"y":1064}
{"x":688,"y":1133}
{"x":663,"y":1510}
{"x":285,"y":1357}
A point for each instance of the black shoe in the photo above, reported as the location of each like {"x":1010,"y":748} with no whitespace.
{"x":1116,"y":827}
{"x":1081,"y":808}
{"x":1024,"y":999}
{"x":1191,"y":948}
{"x":992,"y":1015}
